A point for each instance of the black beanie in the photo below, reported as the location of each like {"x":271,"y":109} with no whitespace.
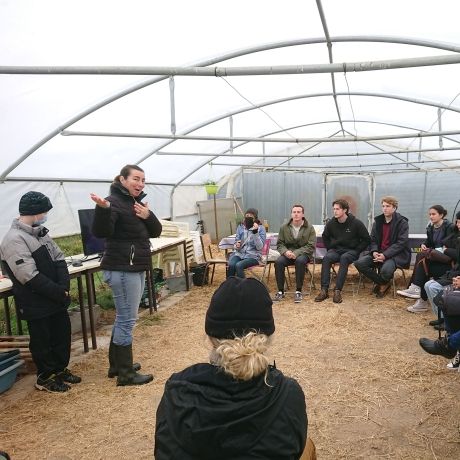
{"x":33,"y":203}
{"x":457,"y":215}
{"x":238,"y":306}
{"x":253,"y":211}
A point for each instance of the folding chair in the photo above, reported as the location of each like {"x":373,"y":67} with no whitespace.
{"x":209,"y":259}
{"x":403,"y":273}
{"x":287,"y":279}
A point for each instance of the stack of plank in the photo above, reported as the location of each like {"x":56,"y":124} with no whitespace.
{"x":10,"y":342}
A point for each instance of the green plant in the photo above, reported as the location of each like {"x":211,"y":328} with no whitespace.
{"x":210,"y":182}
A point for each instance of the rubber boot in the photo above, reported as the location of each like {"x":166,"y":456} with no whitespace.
{"x":113,"y":369}
{"x":126,"y":374}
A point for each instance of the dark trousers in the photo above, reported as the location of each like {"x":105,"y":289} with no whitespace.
{"x":435,"y":271}
{"x":300,"y":266}
{"x":50,"y":343}
{"x":345,"y":257}
{"x":379,"y":273}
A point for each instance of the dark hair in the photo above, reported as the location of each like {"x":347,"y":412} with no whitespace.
{"x":342,"y":203}
{"x":126,"y":171}
{"x":298,"y":206}
{"x":439,"y":209}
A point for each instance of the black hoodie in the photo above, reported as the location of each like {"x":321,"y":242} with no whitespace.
{"x":206,"y":414}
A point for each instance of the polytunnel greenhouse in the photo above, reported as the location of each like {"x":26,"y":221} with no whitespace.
{"x":301,"y":103}
{"x":279,"y":105}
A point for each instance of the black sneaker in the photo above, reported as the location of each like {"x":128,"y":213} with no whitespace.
{"x":454,"y":365}
{"x":278,"y":296}
{"x":438,"y":347}
{"x":67,"y":377}
{"x":51,"y":384}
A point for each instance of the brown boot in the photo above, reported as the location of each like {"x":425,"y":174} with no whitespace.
{"x":323,"y":295}
{"x":383,"y":289}
{"x":337,"y":296}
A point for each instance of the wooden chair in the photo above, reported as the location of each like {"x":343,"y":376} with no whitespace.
{"x":208,"y":256}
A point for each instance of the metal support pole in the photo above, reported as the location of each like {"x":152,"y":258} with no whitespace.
{"x":215,"y":218}
{"x":173,"y":105}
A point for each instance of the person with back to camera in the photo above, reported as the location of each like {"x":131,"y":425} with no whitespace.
{"x":345,"y":237}
{"x":389,"y":247}
{"x":127,"y":224}
{"x":434,"y":260}
{"x":296,"y":243}
{"x":249,"y":241}
{"x":41,"y":284}
{"x":238,"y":406}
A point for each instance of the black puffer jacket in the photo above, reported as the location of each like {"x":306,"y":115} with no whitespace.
{"x":205,"y":414}
{"x":127,"y":246}
{"x":37,"y":269}
{"x":446,"y":230}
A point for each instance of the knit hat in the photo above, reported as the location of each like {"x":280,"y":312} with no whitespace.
{"x":33,"y":203}
{"x":457,"y":216}
{"x":252,"y":211}
{"x":238,"y":306}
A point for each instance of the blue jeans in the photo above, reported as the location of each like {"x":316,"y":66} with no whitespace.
{"x":237,"y":265}
{"x":433,"y":288}
{"x":127,"y":289}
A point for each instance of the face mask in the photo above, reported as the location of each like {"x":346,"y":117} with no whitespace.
{"x":39,"y":222}
{"x":248,"y":222}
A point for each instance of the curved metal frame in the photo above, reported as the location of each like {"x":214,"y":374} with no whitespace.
{"x":220,"y":58}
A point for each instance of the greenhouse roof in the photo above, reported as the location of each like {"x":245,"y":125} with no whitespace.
{"x":198,"y":90}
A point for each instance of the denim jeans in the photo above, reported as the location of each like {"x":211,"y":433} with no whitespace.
{"x":368,"y":268}
{"x":236,"y":265}
{"x":127,"y":289}
{"x":433,"y":288}
{"x":453,"y":331}
{"x":345,"y":258}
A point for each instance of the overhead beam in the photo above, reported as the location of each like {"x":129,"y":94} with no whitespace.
{"x":297,"y":69}
{"x":290,"y":140}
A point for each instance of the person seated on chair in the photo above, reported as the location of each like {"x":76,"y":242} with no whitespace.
{"x":389,"y":247}
{"x":237,"y":406}
{"x":436,"y":258}
{"x":249,"y":241}
{"x":345,"y":237}
{"x":449,"y":345}
{"x":296,"y":243}
{"x":434,"y":287}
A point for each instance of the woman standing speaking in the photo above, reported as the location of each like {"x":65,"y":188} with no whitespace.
{"x":127,"y":224}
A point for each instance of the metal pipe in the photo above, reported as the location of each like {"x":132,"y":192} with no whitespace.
{"x":296,"y":69}
{"x":299,"y":140}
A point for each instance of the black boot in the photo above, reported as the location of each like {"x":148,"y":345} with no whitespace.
{"x":113,"y":369}
{"x":126,"y":374}
{"x":438,"y":347}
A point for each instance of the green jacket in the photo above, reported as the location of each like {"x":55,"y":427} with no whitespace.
{"x":304,"y":244}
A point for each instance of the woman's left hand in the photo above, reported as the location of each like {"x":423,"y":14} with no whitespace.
{"x":142,"y":210}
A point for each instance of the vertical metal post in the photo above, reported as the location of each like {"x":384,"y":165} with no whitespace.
{"x":440,"y":126}
{"x":215,"y":218}
{"x":173,"y":105}
{"x":230,"y":121}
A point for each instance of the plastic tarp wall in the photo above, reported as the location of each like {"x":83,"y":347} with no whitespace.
{"x":416,"y":192}
{"x":67,"y":198}
{"x":273,"y":193}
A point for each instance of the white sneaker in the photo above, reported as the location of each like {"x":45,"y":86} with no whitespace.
{"x":419,"y":307}
{"x":413,"y":292}
{"x":455,"y":363}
